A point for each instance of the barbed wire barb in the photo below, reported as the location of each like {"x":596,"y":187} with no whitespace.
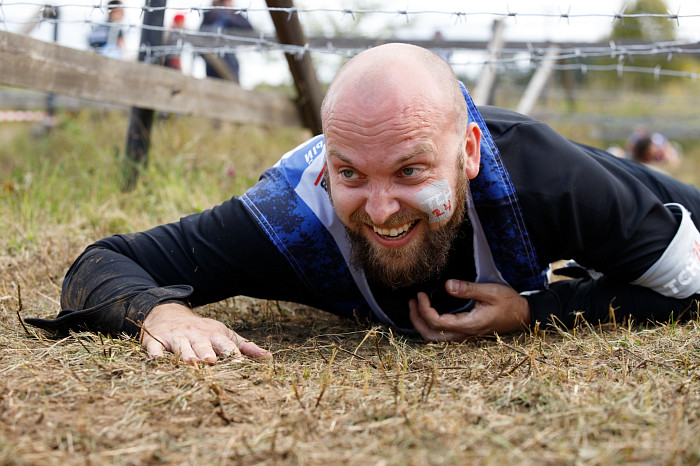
{"x":514,"y":15}
{"x":404,"y":13}
{"x":460,"y":16}
{"x":621,"y":15}
{"x":672,"y":17}
{"x":244,"y":13}
{"x":349,"y":12}
{"x":565,"y":15}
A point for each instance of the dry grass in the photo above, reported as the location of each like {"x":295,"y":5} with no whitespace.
{"x":342,"y":392}
{"x":337,"y":392}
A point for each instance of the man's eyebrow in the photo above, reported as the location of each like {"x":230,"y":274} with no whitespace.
{"x":414,"y":153}
{"x":337,"y":155}
{"x":401,"y":161}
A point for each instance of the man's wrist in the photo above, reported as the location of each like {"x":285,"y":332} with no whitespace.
{"x":524,"y":313}
{"x":142,"y":304}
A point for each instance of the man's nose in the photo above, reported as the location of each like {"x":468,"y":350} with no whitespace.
{"x":381,"y":204}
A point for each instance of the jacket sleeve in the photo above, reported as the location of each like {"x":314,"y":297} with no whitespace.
{"x":602,"y":299}
{"x":202,"y":258}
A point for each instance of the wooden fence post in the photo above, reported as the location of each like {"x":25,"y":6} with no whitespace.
{"x":53,"y":13}
{"x":289,"y":32}
{"x":538,"y":81}
{"x":483,"y":90}
{"x":138,"y":137}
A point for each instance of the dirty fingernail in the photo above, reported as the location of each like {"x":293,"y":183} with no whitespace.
{"x":453,"y":286}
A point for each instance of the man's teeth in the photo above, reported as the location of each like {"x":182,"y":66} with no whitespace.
{"x":393,"y":232}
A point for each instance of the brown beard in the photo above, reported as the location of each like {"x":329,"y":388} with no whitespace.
{"x":420,"y":260}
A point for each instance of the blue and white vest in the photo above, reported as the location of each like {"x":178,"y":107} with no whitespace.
{"x":291,"y":205}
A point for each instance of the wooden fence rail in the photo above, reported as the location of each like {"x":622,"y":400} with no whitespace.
{"x":39,"y":65}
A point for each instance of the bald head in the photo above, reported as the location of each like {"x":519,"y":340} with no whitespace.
{"x":396,"y":77}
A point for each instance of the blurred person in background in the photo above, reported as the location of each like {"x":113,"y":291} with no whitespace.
{"x":228,"y":22}
{"x":173,"y":36}
{"x":108,"y":38}
{"x":652,"y":149}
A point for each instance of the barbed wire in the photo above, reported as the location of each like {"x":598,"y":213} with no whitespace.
{"x":612,"y":49}
{"x":530,"y":54}
{"x":352,"y":12}
{"x":504,"y":58}
{"x":620,"y":69}
{"x":657,"y":71}
{"x":512,"y":55}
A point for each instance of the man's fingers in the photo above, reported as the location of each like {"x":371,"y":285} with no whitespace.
{"x":416,"y":319}
{"x":226,"y":345}
{"x":442,"y":323}
{"x":183,"y":347}
{"x":427,"y":331}
{"x":197,"y":348}
{"x":153,"y":347}
{"x":464,"y":290}
{"x":173,"y":327}
{"x":497,"y":308}
{"x":252,"y":350}
{"x":204,"y":349}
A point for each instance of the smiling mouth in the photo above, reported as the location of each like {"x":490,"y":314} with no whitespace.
{"x":395,"y":232}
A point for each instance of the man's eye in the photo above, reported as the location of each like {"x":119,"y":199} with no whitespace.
{"x":347,"y":174}
{"x":410,"y":171}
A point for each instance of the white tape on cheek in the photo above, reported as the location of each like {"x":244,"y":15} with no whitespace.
{"x":436,"y":201}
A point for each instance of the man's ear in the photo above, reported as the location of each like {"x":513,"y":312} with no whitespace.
{"x":472,"y":150}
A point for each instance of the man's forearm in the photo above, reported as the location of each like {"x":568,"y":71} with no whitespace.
{"x":105,"y":291}
{"x":597,"y":299}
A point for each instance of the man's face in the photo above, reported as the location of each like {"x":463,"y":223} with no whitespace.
{"x":116,"y":14}
{"x":384,"y":177}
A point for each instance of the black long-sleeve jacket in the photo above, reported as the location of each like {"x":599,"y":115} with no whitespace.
{"x":578,"y":203}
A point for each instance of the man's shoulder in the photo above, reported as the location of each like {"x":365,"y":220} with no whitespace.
{"x":502,"y":117}
{"x":509,"y":128}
